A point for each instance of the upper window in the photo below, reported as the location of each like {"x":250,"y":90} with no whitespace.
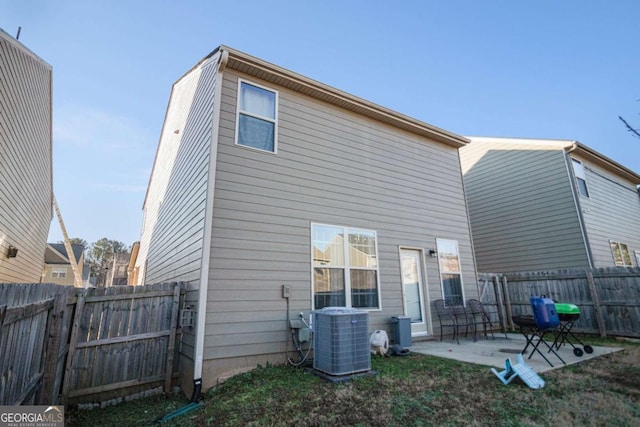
{"x":257,"y":117}
{"x":345,"y":267}
{"x":581,"y":179}
{"x":59,"y":272}
{"x":621,"y":255}
{"x":450,"y":271}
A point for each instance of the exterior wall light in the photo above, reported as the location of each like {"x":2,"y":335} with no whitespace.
{"x":12,"y":252}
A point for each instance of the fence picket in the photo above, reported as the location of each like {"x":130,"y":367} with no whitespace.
{"x":608,"y":298}
{"x":75,"y":332}
{"x":124,"y":340}
{"x":175,"y":305}
{"x":52,"y":350}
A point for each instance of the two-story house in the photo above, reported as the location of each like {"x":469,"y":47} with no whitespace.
{"x":543,"y":204}
{"x":26,"y":189}
{"x":264,"y":178}
{"x":57,"y":265}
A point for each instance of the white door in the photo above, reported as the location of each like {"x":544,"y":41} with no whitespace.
{"x":412,"y":290}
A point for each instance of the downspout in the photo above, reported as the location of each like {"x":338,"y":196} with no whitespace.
{"x":208,"y":225}
{"x":576,"y":201}
{"x":466,"y":207}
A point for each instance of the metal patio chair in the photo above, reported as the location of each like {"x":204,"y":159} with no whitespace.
{"x":454,"y":315}
{"x":479,"y":317}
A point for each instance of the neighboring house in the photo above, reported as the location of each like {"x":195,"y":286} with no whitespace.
{"x":57,"y":266}
{"x":538,"y":204}
{"x":117,"y":274}
{"x":26,"y":191}
{"x":265,"y":178}
{"x":132,"y":270}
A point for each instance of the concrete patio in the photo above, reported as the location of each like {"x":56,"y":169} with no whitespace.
{"x":493,"y":351}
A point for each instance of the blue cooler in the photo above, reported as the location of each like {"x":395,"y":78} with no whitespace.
{"x":544,"y":312}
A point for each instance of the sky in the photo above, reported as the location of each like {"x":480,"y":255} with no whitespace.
{"x":544,"y":69}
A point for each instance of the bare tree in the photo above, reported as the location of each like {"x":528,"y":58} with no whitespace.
{"x":635,"y":132}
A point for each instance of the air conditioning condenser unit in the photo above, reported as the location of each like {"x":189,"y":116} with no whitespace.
{"x":341,"y":341}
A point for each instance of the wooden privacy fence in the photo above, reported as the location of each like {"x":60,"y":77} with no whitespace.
{"x":34,"y":322}
{"x":608,"y":298}
{"x":86,"y":345}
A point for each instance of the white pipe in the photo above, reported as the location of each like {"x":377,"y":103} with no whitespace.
{"x":576,"y":200}
{"x":208,"y":225}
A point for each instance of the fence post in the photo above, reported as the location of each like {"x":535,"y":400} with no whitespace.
{"x":499,"y":302}
{"x":47,"y":395}
{"x":73,"y":342}
{"x":483,"y":289}
{"x":507,"y":301}
{"x":596,"y":305}
{"x":172,"y":336}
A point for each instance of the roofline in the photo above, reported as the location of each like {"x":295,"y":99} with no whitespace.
{"x":245,"y":63}
{"x":571,"y":146}
{"x":73,"y":247}
{"x":267,"y":71}
{"x":166,"y":112}
{"x":63,"y":256}
{"x":20,"y":45}
{"x":49,"y":68}
{"x":520,"y":140}
{"x":605,"y":162}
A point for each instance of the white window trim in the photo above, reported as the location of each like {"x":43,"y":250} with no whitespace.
{"x":580,"y":174}
{"x":425,"y":291}
{"x":637,"y":255}
{"x":268,"y":119}
{"x":56,"y":271}
{"x":443,"y":271}
{"x":346,"y":267}
{"x":613,"y":255}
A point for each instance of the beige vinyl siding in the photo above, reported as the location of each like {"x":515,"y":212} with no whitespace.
{"x":522,"y":211}
{"x":332,"y":167}
{"x":25,"y":160}
{"x":611,"y":212}
{"x":173,"y":227}
{"x":171,"y":243}
{"x":69,"y":280}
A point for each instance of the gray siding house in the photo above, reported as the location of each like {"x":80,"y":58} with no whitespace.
{"x":538,"y":204}
{"x":265,"y":178}
{"x":26,"y":188}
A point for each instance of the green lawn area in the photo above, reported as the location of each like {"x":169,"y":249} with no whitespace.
{"x":415,"y":390}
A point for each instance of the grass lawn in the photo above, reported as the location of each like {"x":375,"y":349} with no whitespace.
{"x":407,"y":391}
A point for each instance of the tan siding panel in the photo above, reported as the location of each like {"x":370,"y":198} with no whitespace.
{"x":25,"y":160}
{"x":332,"y":167}
{"x":173,"y":228}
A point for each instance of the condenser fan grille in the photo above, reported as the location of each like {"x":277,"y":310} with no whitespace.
{"x":341,"y":341}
